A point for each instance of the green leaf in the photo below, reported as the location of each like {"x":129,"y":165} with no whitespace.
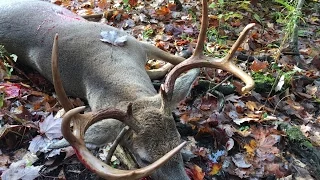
{"x":212,"y":5}
{"x":257,"y":18}
{"x":1,"y":100}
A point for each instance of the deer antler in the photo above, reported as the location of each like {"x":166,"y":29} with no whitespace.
{"x":198,"y":60}
{"x":81,"y":123}
{"x":58,"y":87}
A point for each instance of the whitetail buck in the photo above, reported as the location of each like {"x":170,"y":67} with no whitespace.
{"x":113,"y":81}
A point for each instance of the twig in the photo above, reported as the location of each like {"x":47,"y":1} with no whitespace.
{"x":93,"y":16}
{"x":115,"y":143}
{"x":219,"y":84}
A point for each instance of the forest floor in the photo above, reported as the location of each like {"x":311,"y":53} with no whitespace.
{"x":273,"y":132}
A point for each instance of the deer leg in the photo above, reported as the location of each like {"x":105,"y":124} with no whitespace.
{"x":161,"y":72}
{"x":156,"y":53}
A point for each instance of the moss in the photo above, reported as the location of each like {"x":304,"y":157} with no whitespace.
{"x":263,"y":82}
{"x":295,"y":135}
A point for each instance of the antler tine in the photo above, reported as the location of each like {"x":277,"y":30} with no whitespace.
{"x":58,"y":87}
{"x":198,"y":60}
{"x":239,"y":41}
{"x":203,"y":30}
{"x":96,"y":165}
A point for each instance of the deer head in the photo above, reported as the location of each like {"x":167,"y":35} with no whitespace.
{"x":153,"y":140}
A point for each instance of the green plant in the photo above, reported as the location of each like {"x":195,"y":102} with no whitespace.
{"x":264,"y":82}
{"x":292,"y":14}
{"x":219,"y":4}
{"x":5,"y":56}
{"x":147,"y":33}
{"x":294,"y":134}
{"x":125,"y":5}
{"x":193,"y":15}
{"x":185,"y":36}
{"x":230,"y":15}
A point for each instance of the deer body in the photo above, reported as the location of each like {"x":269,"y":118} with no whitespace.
{"x":109,"y":76}
{"x":103,"y":74}
{"x":90,"y":68}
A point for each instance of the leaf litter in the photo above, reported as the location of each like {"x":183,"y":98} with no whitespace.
{"x":255,"y":136}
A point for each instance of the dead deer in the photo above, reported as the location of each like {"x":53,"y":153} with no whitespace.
{"x":113,"y":81}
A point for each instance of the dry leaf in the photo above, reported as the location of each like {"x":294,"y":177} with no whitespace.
{"x":215,"y":169}
{"x":133,"y":3}
{"x":239,"y":161}
{"x":197,"y":173}
{"x":251,"y":105}
{"x":51,"y":127}
{"x":250,"y":148}
{"x":163,"y":11}
{"x":258,"y":65}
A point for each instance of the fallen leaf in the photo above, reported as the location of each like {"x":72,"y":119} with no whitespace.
{"x":4,"y":160}
{"x":21,"y":170}
{"x":12,"y":90}
{"x":251,"y":105}
{"x":242,"y":173}
{"x":197,"y":173}
{"x":230,"y":144}
{"x":239,"y":121}
{"x":113,"y":38}
{"x":258,"y":65}
{"x":215,"y":169}
{"x":250,"y":148}
{"x":133,"y":3}
{"x":276,"y":169}
{"x":51,"y":127}
{"x":239,"y":161}
{"x":163,"y":11}
{"x":311,"y":90}
{"x":38,"y":144}
{"x":280,"y":84}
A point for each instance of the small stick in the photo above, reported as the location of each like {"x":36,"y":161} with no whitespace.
{"x":115,"y":144}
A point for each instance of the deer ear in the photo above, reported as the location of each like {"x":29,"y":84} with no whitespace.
{"x":183,"y":85}
{"x":181,"y":89}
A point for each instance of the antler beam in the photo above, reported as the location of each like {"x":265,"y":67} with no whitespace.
{"x":198,"y":60}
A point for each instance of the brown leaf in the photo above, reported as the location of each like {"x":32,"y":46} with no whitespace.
{"x":316,"y":62}
{"x":250,"y":148}
{"x":251,"y":105}
{"x":163,"y":11}
{"x":133,"y":3}
{"x":276,"y":169}
{"x":258,"y":65}
{"x":102,"y":4}
{"x":207,"y":102}
{"x":197,"y":173}
{"x":172,"y":7}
